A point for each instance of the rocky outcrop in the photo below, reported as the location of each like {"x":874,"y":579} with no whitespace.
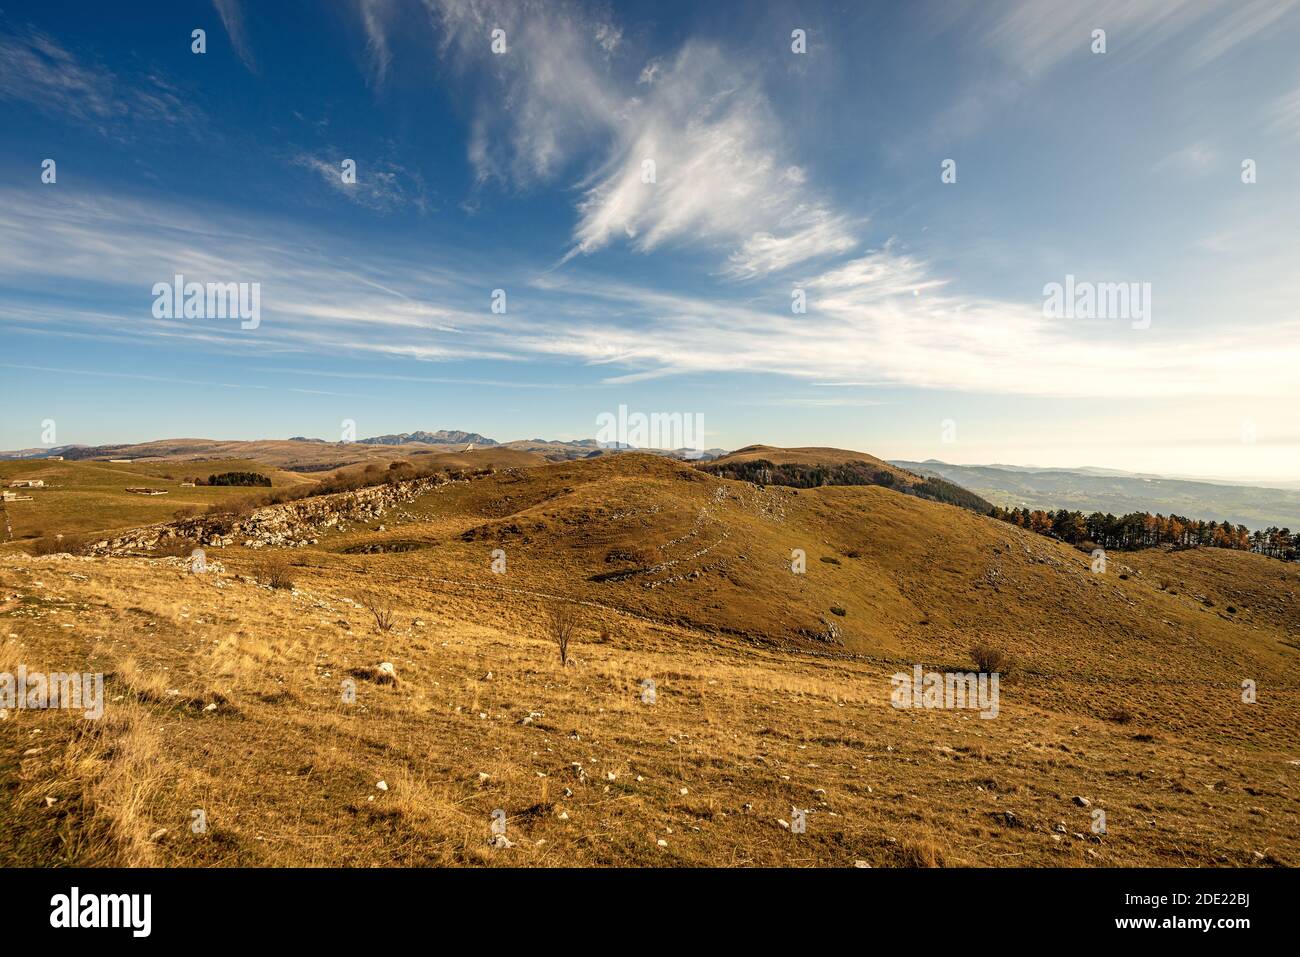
{"x":288,"y":525}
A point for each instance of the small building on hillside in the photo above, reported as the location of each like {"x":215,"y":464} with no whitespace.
{"x":15,"y":497}
{"x":27,"y":483}
{"x":147,"y":491}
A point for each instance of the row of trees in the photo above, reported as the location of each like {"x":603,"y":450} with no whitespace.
{"x":1144,"y":530}
{"x":797,"y":475}
{"x":241,"y":479}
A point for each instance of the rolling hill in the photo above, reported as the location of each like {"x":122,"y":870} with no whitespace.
{"x":768,"y":621}
{"x":816,"y":467}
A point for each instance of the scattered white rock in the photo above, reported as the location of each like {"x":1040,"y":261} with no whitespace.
{"x":382,"y":785}
{"x":662,"y":843}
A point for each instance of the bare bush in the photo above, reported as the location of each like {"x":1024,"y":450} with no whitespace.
{"x":382,"y":609}
{"x":274,"y":570}
{"x":175,"y":547}
{"x":562,"y":625}
{"x":56,"y":544}
{"x":992,"y":660}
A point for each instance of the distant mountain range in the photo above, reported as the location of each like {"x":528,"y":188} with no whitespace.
{"x":320,"y":450}
{"x":441,"y":437}
{"x":1108,"y":490}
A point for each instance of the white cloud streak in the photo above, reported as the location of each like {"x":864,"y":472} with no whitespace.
{"x":232,"y":18}
{"x":37,"y":71}
{"x":883,"y":317}
{"x":696,"y":125}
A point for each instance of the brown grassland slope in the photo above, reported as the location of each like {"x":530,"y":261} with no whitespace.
{"x":771,"y":689}
{"x":813,"y":456}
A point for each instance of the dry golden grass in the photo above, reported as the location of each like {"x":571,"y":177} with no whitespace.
{"x":268,"y":710}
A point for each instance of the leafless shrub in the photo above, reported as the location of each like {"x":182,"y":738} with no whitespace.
{"x":383,"y":610}
{"x":174,"y":547}
{"x":274,"y":570}
{"x":992,"y":660}
{"x":561,"y":625}
{"x":56,"y":544}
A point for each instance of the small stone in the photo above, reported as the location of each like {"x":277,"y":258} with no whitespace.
{"x":785,"y":824}
{"x":1081,"y":801}
{"x":662,"y":843}
{"x":382,"y":785}
{"x":861,"y":864}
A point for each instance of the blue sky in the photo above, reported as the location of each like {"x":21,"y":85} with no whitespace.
{"x":774,"y":171}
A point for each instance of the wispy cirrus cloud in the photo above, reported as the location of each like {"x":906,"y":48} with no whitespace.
{"x":37,"y":71}
{"x":374,"y":20}
{"x":379,"y":186}
{"x":687,"y":150}
{"x":884,"y":317}
{"x":1037,"y":35}
{"x":1285,"y":114}
{"x":232,"y":18}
